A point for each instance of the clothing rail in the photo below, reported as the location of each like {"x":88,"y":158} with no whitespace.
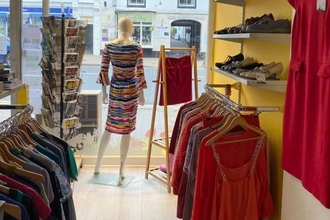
{"x":12,"y":106}
{"x":257,"y":109}
{"x":16,"y":119}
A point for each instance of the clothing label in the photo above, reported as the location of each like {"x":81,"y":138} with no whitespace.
{"x":321,"y":5}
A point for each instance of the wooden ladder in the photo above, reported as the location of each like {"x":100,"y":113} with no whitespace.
{"x":164,"y":143}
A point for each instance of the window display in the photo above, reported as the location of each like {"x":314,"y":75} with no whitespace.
{"x":142,"y":33}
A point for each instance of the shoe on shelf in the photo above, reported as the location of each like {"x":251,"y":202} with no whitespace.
{"x":247,"y":61}
{"x":271,"y":71}
{"x":246,"y":68}
{"x":252,"y":73}
{"x":229,"y":30}
{"x":254,"y":20}
{"x":263,"y":68}
{"x":230,"y":59}
{"x":270,"y":26}
{"x":222,"y":31}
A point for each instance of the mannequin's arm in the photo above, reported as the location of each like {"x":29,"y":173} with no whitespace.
{"x":105,"y":63}
{"x":140,"y":70}
{"x":142,"y":99}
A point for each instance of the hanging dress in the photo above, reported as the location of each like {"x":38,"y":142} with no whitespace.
{"x":126,"y":81}
{"x":239,"y":192}
{"x":306,"y":126}
{"x":234,"y":155}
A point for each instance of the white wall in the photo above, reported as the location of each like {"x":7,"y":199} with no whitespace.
{"x":298,"y":203}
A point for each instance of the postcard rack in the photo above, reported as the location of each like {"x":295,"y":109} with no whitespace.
{"x":63,"y":51}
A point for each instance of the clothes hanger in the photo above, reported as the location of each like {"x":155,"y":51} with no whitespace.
{"x":20,"y":143}
{"x":3,"y":155}
{"x":29,"y":142}
{"x":9,"y":156}
{"x":9,"y":143}
{"x":4,"y":189}
{"x":13,"y":210}
{"x":232,"y":123}
{"x":202,"y":100}
{"x":17,"y":170}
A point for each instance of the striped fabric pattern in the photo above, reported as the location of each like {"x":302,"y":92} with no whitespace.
{"x":126,"y":81}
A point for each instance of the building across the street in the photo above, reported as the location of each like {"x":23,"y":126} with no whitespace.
{"x":160,"y":22}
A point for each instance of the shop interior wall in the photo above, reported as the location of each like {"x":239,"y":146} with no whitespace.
{"x":265,"y":52}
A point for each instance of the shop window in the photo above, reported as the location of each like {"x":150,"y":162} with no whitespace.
{"x":142,"y":33}
{"x":186,"y":3}
{"x":136,"y":3}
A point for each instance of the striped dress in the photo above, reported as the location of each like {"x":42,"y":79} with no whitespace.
{"x":126,"y":81}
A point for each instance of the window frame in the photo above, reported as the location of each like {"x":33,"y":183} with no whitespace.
{"x":187,"y":6}
{"x":143,"y":5}
{"x":141,"y":25}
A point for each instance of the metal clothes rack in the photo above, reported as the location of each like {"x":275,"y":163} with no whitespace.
{"x":164,"y":143}
{"x":237,"y":106}
{"x":16,"y":118}
{"x":62,"y":74}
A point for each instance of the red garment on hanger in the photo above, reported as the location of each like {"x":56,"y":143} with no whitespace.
{"x":180,"y":154}
{"x":233,"y":156}
{"x":178,"y":79}
{"x":306,"y":126}
{"x":187,"y":188}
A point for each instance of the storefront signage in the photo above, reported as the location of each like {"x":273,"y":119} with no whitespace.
{"x":186,"y":17}
{"x":67,"y":10}
{"x":162,"y":31}
{"x":137,"y":17}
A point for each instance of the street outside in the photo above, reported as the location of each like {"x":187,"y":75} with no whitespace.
{"x":89,"y":73}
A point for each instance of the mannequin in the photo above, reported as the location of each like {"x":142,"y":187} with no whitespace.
{"x":104,"y":95}
{"x":126,"y":91}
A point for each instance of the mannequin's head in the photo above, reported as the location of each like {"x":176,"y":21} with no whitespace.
{"x":125,"y":25}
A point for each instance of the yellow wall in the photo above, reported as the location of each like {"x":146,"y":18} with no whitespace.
{"x":227,"y":16}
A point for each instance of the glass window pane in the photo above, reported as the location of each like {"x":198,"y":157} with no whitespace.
{"x":146,"y":36}
{"x":136,"y":34}
{"x":136,"y":2}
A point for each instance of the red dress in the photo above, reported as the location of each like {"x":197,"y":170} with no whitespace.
{"x":233,"y":155}
{"x":306,"y":126}
{"x":242,"y":192}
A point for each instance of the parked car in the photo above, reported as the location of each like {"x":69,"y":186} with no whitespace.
{"x":5,"y":58}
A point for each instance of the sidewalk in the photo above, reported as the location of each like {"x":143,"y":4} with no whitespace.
{"x":95,"y":60}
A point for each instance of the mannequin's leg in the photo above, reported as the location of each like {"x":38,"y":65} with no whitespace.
{"x":124,"y":145}
{"x":105,"y":139}
{"x":104,"y":95}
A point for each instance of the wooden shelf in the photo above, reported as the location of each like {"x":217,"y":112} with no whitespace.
{"x":161,"y":142}
{"x":272,"y":37}
{"x":14,"y":90}
{"x":231,"y":2}
{"x":157,"y":173}
{"x":274,"y":85}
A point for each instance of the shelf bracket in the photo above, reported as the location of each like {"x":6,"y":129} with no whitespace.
{"x":237,"y":86}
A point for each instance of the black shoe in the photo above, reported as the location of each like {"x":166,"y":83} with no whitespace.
{"x":230,"y":59}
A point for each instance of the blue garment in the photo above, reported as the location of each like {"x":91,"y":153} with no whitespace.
{"x":24,"y":214}
{"x":48,"y":153}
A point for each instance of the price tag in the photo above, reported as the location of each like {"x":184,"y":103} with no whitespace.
{"x":321,"y":5}
{"x":69,"y":123}
{"x":21,"y":119}
{"x":261,"y":78}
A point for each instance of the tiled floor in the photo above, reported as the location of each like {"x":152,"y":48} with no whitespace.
{"x":142,"y":199}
